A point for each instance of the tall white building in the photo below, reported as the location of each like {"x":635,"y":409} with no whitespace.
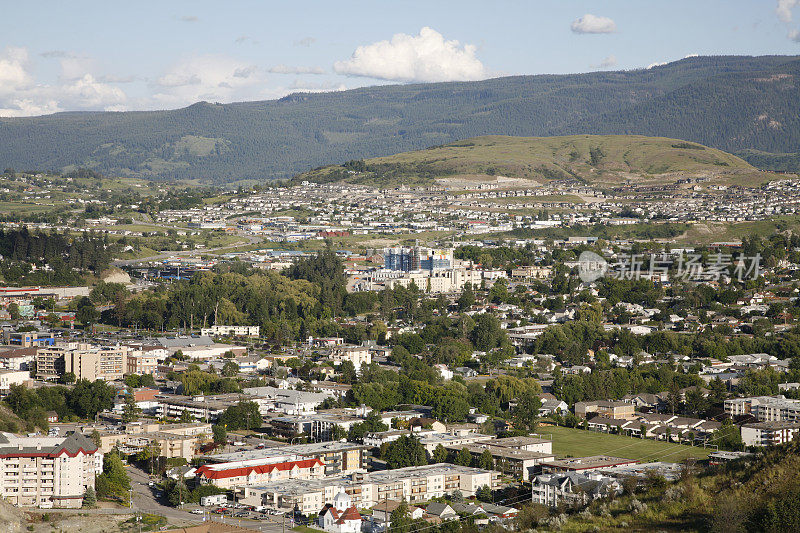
{"x":47,"y":471}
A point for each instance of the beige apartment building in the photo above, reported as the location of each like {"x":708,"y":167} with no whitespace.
{"x":47,"y":471}
{"x":86,"y":361}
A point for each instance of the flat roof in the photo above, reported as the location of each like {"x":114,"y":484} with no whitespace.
{"x":590,"y":462}
{"x":295,"y":449}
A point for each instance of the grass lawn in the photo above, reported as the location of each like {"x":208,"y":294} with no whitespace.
{"x":580,"y":443}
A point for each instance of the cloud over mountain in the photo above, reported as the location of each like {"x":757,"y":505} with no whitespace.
{"x":426,"y":57}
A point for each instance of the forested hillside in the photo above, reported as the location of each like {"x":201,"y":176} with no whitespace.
{"x":731,"y":103}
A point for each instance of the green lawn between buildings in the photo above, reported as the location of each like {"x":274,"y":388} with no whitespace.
{"x":570,"y":442}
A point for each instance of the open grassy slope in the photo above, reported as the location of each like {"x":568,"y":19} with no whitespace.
{"x":570,"y":442}
{"x":599,"y":159}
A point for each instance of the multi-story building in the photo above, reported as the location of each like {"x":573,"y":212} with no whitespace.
{"x":572,"y":488}
{"x":86,"y":361}
{"x":519,"y":457}
{"x":12,"y":377}
{"x":256,"y":472}
{"x":607,"y":408}
{"x":765,"y":408}
{"x":414,"y":484}
{"x":47,"y":471}
{"x":338,"y":457}
{"x":141,"y":362}
{"x":585,"y":464}
{"x":239,"y":331}
{"x":358,"y":355}
{"x":769,"y":433}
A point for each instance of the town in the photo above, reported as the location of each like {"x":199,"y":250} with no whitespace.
{"x":447,"y":377}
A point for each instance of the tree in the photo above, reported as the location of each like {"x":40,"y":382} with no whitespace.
{"x":467,"y":298}
{"x":348,"y":372}
{"x":113,"y":483}
{"x":68,"y":377}
{"x":13,"y":310}
{"x":439,"y":454}
{"x":728,"y":437}
{"x":405,"y":451}
{"x":220,"y":433}
{"x":230,"y":369}
{"x":486,"y":461}
{"x":244,"y":415}
{"x":484,"y":493}
{"x":463,"y":457}
{"x":130,"y":411}
{"x":526,"y":412}
{"x":89,"y":498}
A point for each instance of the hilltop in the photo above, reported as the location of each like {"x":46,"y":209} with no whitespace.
{"x":728,"y":102}
{"x":597,"y":159}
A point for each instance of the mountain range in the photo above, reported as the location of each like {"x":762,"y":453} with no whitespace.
{"x":745,"y":105}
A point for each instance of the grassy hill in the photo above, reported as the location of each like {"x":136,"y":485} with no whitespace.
{"x":606,"y":159}
{"x":759,"y":496}
{"x":728,"y":102}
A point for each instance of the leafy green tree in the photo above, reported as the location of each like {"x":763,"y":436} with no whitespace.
{"x":113,"y":483}
{"x":230,"y":369}
{"x":220,"y":433}
{"x":486,"y":461}
{"x":244,"y":415}
{"x":526,"y":412}
{"x":728,"y":437}
{"x":484,"y":494}
{"x":130,"y":411}
{"x":463,"y":457}
{"x":439,"y":454}
{"x":405,"y":451}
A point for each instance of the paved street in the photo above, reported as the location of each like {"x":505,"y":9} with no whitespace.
{"x":144,"y":501}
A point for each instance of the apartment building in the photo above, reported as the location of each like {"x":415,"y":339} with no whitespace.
{"x":574,"y":489}
{"x":47,"y":471}
{"x":519,"y":457}
{"x":358,"y":355}
{"x":413,"y":484}
{"x":338,"y":457}
{"x":769,"y":433}
{"x":239,"y":331}
{"x":241,"y":473}
{"x":86,"y":361}
{"x":12,"y":377}
{"x":141,"y":362}
{"x":765,"y":408}
{"x":607,"y":408}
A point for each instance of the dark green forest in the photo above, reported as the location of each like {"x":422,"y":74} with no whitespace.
{"x":727,"y":102}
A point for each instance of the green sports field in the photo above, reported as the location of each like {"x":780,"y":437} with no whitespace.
{"x":569,"y":442}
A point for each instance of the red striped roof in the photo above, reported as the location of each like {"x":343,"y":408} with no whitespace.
{"x":350,"y":514}
{"x":210,"y":473}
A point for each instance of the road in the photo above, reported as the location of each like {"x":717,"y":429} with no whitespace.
{"x":144,"y":501}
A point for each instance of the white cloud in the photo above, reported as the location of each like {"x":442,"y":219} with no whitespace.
{"x":22,"y":95}
{"x":305,"y":41}
{"x":14,"y":73}
{"x":657,"y":64}
{"x":189,"y":18}
{"x":687,"y":56}
{"x":784,"y":9}
{"x":593,"y":24}
{"x":214,"y":78}
{"x":607,"y":62}
{"x":286,"y":69}
{"x":426,"y":57}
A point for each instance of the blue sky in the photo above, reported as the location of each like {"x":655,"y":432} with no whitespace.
{"x":87,"y":55}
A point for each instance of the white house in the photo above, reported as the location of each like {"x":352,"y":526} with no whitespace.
{"x":340,"y":517}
